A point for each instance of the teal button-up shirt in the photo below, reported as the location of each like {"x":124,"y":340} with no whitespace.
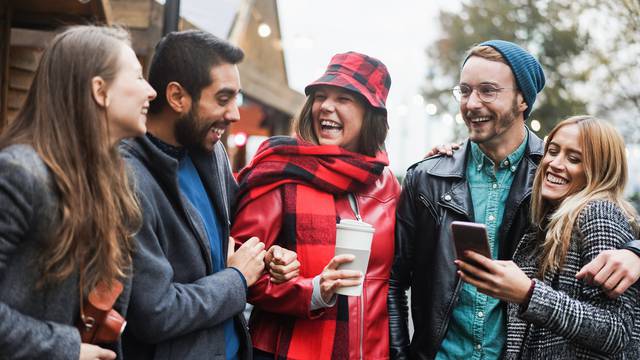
{"x":477,"y":326}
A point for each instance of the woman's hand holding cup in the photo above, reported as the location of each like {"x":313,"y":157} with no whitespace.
{"x":331,"y":279}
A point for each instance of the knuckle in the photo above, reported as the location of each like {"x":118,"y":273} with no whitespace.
{"x":625,"y":272}
{"x":607,"y":287}
{"x":616,"y":262}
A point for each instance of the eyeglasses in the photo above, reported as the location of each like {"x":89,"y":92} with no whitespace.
{"x":486,"y":92}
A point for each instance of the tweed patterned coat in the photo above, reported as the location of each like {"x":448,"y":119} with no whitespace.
{"x":567,"y":319}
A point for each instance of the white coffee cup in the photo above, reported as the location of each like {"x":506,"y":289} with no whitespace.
{"x":354,"y":237}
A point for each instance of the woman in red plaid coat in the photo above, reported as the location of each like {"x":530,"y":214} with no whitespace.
{"x":294,"y":192}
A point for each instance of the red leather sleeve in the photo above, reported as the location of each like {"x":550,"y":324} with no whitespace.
{"x":263,"y":218}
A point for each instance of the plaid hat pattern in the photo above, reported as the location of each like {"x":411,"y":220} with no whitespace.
{"x":526,"y":69}
{"x":359,"y":73}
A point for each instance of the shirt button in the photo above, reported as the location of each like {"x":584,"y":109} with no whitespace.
{"x":480,"y":314}
{"x":506,"y":163}
{"x":478,"y":347}
{"x":495,"y":186}
{"x":491,"y":217}
{"x":447,"y":197}
{"x":513,"y":168}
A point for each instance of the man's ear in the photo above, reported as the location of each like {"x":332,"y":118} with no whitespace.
{"x":99,"y":91}
{"x":177,"y":98}
{"x":522,"y":105}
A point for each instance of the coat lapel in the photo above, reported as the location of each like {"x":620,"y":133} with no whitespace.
{"x":212,"y":175}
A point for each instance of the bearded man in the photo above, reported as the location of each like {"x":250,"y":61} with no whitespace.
{"x":487,"y":181}
{"x":189,"y":287}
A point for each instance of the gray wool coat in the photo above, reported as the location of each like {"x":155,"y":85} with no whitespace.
{"x":565,"y":318}
{"x":178,"y":304}
{"x":35,"y":323}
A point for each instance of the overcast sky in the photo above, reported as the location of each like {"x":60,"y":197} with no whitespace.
{"x":396,"y":32}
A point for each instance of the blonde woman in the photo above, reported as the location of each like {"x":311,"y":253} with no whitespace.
{"x":578,"y":211}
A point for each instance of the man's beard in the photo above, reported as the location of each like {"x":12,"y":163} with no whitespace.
{"x":502,"y":121}
{"x":505,"y":119}
{"x":191,"y":131}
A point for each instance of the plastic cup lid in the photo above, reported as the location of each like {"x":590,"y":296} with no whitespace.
{"x":348,"y":224}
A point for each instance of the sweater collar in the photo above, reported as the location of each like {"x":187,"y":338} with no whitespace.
{"x":176,"y":152}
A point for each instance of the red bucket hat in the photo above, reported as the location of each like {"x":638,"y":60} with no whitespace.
{"x":359,"y":73}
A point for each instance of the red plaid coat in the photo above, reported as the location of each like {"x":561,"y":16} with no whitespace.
{"x":299,"y":216}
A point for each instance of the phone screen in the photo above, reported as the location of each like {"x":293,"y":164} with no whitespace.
{"x":470,"y":236}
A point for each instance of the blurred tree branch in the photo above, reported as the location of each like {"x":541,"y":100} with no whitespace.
{"x":588,"y":48}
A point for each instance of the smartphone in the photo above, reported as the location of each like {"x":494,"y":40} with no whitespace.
{"x":470,"y":236}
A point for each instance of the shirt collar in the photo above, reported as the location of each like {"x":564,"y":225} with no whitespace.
{"x":481,"y":160}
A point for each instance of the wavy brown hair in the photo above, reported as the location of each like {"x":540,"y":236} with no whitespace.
{"x":605,"y":167}
{"x":60,"y":119}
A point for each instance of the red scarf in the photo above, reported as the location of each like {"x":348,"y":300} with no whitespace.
{"x":310,"y":176}
{"x":285,"y":160}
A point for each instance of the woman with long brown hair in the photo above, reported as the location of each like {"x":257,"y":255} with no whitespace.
{"x":68,"y":214}
{"x":578,"y":211}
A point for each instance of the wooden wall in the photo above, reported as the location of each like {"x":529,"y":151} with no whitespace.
{"x":5,"y":36}
{"x":25,"y":52}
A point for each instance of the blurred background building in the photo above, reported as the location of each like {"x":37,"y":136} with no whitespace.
{"x":589,"y":49}
{"x":267,"y":106}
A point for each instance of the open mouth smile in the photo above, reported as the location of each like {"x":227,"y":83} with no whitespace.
{"x":556,"y":180}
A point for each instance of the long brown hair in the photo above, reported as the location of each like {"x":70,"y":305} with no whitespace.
{"x":60,"y":119}
{"x":605,"y":167}
{"x":372,"y":134}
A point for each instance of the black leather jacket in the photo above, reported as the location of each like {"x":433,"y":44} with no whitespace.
{"x":435,"y":193}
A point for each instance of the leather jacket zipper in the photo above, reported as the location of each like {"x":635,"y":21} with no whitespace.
{"x":361,"y":338}
{"x":445,"y":324}
{"x":353,"y":202}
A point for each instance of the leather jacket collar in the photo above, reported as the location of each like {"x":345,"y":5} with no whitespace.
{"x":456,"y":167}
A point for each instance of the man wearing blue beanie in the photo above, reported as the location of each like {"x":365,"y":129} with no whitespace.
{"x":498,"y":85}
{"x":487,"y":181}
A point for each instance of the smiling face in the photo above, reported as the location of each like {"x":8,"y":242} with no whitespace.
{"x":216,"y":109}
{"x":491,"y":123}
{"x":337,"y":116}
{"x":127,"y":98}
{"x":562,"y":165}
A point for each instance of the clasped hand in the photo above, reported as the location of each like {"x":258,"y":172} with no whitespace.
{"x":282,"y":264}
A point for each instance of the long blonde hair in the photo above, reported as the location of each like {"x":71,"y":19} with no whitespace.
{"x":605,"y":167}
{"x":98,"y":212}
